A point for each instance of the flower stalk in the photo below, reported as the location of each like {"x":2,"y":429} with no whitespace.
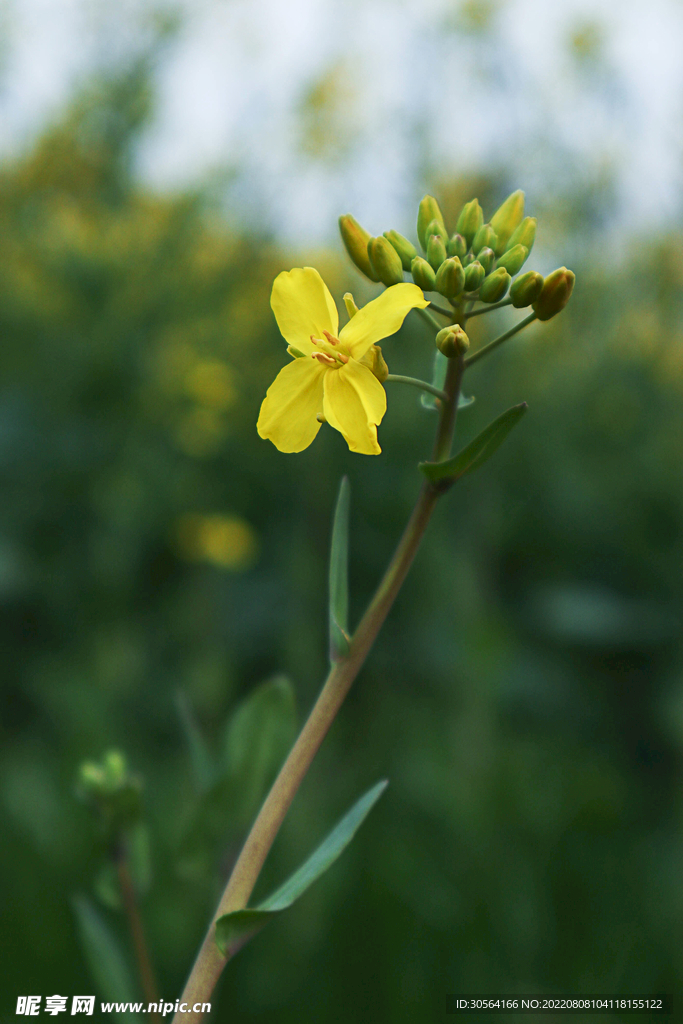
{"x":398,"y":378}
{"x":210,"y":962}
{"x":487,"y":349}
{"x":339,"y":381}
{"x":137,"y":932}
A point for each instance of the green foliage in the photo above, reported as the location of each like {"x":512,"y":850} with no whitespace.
{"x":339,"y":575}
{"x":233,"y":930}
{"x":257,"y":739}
{"x":106,"y":961}
{"x":438,"y":379}
{"x":477,"y":452}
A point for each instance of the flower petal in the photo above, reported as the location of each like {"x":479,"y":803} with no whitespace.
{"x":381,"y":317}
{"x":293,"y":401}
{"x":303,"y":307}
{"x":354,"y":404}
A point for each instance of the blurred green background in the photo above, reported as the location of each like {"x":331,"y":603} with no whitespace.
{"x":159,"y":562}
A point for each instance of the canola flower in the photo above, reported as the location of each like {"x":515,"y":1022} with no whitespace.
{"x":330,"y":377}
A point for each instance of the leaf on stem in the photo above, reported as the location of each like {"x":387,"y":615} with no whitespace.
{"x":339,"y":575}
{"x":103,"y":954}
{"x":438,"y":381}
{"x":476,"y":452}
{"x":235,"y":929}
{"x":203,"y":770}
{"x":257,"y":739}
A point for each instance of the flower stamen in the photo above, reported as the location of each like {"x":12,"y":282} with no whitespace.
{"x":323,"y":358}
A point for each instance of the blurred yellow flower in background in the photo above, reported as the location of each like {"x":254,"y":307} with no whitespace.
{"x":228,"y":542}
{"x":327,"y":380}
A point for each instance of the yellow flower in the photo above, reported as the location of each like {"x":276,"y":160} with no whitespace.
{"x":328,"y":379}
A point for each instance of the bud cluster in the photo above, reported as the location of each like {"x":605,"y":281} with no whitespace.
{"x":112,"y":791}
{"x":477,"y":262}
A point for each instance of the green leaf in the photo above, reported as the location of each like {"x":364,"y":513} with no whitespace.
{"x":213,"y":824}
{"x":140,"y":858}
{"x":106,"y":886}
{"x":438,"y":381}
{"x":258,"y":737}
{"x":476,"y":452}
{"x":339,"y":575}
{"x":108,"y":966}
{"x":234,"y":930}
{"x":200,"y":758}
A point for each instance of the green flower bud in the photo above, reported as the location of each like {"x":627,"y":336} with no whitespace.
{"x":436,"y":227}
{"x":423,"y":275}
{"x":436,"y":251}
{"x":487,"y":258}
{"x":450,"y":278}
{"x":457,"y":246}
{"x":375,"y":361}
{"x":115,"y":768}
{"x":474,"y":275}
{"x":468,"y":259}
{"x":385,"y":261}
{"x":356,"y":239}
{"x":514,"y":259}
{"x":524,"y":234}
{"x":351,"y":307}
{"x":485,"y":236}
{"x":470,"y":220}
{"x":495,"y":286}
{"x":506,"y":218}
{"x":555,"y":293}
{"x":428,"y":211}
{"x":452,"y":341}
{"x":526,"y":289}
{"x":112,"y":791}
{"x":405,"y":249}
{"x":91,"y":779}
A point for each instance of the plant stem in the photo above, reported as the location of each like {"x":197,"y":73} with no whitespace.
{"x":428,"y":318}
{"x":499,"y":341}
{"x":440,"y":309}
{"x":210,"y":962}
{"x":130,"y":904}
{"x":400,"y":379}
{"x":446,"y":427}
{"x":489,"y":309}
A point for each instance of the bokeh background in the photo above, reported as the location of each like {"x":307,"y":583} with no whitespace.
{"x":162,"y":569}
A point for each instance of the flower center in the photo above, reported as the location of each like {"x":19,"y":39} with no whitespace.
{"x":329,"y":353}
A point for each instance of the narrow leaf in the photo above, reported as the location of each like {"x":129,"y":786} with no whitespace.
{"x":234,"y":930}
{"x":200,"y":758}
{"x":108,"y":966}
{"x":258,"y":736}
{"x":257,"y":739}
{"x":438,"y":379}
{"x":339,"y":575}
{"x":326,"y":854}
{"x":139,"y":852}
{"x":476,"y":452}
